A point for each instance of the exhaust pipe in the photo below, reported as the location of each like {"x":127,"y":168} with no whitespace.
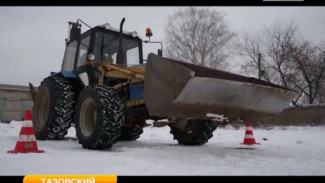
{"x":120,"y":52}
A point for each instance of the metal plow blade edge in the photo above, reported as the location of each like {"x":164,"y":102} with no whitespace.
{"x":182,"y":90}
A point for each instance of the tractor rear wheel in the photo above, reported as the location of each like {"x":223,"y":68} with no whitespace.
{"x":132,"y":129}
{"x":192,"y":132}
{"x":99,"y":117}
{"x":54,"y":107}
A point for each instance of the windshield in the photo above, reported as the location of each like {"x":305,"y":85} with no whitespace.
{"x":106,"y":46}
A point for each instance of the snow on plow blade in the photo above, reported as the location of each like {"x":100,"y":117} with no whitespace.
{"x":182,"y":90}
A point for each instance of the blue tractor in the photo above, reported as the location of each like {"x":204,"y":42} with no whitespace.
{"x":107,"y":91}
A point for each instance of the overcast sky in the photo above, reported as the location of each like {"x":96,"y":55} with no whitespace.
{"x":32,"y":38}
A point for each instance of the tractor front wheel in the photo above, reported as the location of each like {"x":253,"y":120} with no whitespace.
{"x":99,"y":117}
{"x":132,"y":129}
{"x":192,"y":132}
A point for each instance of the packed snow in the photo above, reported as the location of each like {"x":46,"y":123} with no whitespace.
{"x":283,"y":151}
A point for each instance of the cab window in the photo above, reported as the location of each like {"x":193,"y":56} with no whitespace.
{"x":69,"y":57}
{"x":106,"y":47}
{"x":83,"y":48}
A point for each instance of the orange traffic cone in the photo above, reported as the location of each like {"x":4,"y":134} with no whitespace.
{"x":26,"y":141}
{"x":249,"y":137}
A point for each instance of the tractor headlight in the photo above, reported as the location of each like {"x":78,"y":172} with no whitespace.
{"x":107,"y":26}
{"x":91,"y":56}
{"x":134,"y":34}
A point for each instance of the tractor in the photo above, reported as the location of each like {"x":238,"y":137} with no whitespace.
{"x":107,"y":91}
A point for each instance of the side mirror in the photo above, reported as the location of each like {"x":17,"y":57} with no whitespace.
{"x":160,"y":52}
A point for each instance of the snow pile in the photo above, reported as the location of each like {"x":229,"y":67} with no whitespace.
{"x":283,"y":151}
{"x":308,"y":106}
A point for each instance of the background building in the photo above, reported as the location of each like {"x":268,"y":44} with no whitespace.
{"x":14,"y":100}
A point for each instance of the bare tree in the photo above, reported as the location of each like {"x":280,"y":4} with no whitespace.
{"x":278,"y":40}
{"x":287,"y":59}
{"x":273,"y":45}
{"x":309,"y":63}
{"x":251,"y":49}
{"x":321,"y":94}
{"x":199,"y":36}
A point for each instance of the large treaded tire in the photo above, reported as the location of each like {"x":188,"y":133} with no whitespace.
{"x":54,"y":108}
{"x":132,"y":128}
{"x":130,"y":134}
{"x":99,"y":117}
{"x":196,"y":132}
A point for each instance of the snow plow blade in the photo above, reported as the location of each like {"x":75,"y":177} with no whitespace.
{"x":182,"y":90}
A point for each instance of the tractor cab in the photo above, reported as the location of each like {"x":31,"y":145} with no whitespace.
{"x":101,"y":43}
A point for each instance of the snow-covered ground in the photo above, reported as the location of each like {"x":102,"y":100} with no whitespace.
{"x":283,"y":151}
